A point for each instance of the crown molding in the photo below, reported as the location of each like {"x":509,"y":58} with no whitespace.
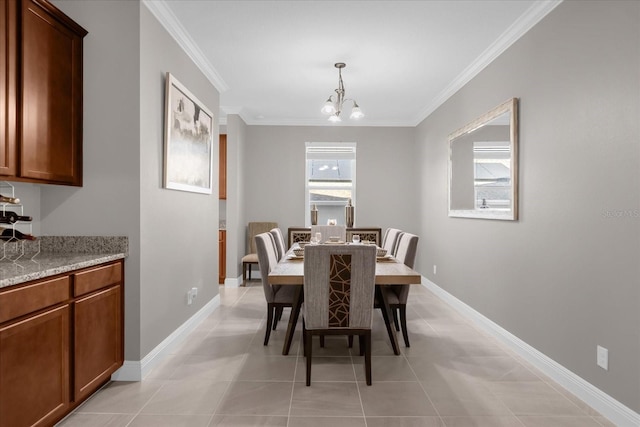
{"x":524,"y":23}
{"x":168,"y":20}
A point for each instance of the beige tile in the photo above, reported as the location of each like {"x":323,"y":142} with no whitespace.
{"x":458,"y":395}
{"x":326,"y":399}
{"x":256,"y":398}
{"x":326,"y":369}
{"x":208,"y":367}
{"x":395,"y":399}
{"x":187,"y":397}
{"x":96,"y":420}
{"x":121,"y":397}
{"x":559,"y":421}
{"x":327,"y":422}
{"x":267,"y":368}
{"x":603,"y":421}
{"x":165,"y":367}
{"x":482,"y":421}
{"x":247,"y":421}
{"x":144,"y":420}
{"x":404,"y":422}
{"x":534,"y":398}
{"x":493,"y":368}
{"x":385,"y":368}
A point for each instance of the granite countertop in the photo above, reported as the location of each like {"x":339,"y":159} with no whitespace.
{"x":57,"y":254}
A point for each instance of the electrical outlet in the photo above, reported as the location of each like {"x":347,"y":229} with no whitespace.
{"x":190,"y":297}
{"x":434,"y":269}
{"x":602,"y":358}
{"x":194,"y":292}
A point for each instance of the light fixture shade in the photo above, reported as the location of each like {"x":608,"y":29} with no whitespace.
{"x":356,"y":112}
{"x":329,"y":107}
{"x":335,"y":118}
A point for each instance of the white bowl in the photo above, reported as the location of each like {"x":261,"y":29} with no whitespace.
{"x":298,"y":251}
{"x":381,"y":252}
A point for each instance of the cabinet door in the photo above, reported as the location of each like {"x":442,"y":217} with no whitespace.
{"x":51,"y":120}
{"x":223,"y":167}
{"x":98,"y":336}
{"x":34,"y":369}
{"x":8,"y":99}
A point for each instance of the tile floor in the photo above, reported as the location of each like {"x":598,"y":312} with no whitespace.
{"x":453,"y":375}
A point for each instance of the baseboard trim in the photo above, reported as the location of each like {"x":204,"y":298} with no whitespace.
{"x":136,"y":370}
{"x":606,"y":405}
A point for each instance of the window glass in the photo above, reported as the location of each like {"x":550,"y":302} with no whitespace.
{"x":330,"y":180}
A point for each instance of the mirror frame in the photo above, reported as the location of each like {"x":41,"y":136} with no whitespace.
{"x":509,"y":106}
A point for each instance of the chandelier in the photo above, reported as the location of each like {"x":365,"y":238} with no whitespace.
{"x":333,"y":106}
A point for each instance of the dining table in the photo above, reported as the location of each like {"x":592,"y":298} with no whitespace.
{"x":290,"y":272}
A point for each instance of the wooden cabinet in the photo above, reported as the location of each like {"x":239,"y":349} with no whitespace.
{"x":34,"y":369}
{"x":42,"y":94}
{"x":222,"y":256}
{"x":61,"y":338}
{"x":98,"y":328}
{"x":223,"y":167}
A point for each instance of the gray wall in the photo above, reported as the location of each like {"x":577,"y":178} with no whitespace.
{"x":565,"y":277}
{"x":178,"y":230}
{"x":109,"y":201}
{"x":236,"y":210}
{"x":274,"y":169}
{"x":172,"y":234}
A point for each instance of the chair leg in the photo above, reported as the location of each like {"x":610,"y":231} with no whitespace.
{"x":403,"y":322}
{"x":362,"y":344}
{"x":244,"y":274}
{"x":322,"y":341}
{"x":367,"y":356}
{"x":277,"y":317}
{"x":249,"y":266}
{"x":394,"y":311}
{"x":269,"y":322}
{"x":308,"y":347}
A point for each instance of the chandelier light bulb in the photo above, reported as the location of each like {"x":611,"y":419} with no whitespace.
{"x":328,"y":107}
{"x":356,"y":112}
{"x":335,"y":118}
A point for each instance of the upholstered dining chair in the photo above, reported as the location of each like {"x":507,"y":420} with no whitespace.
{"x":339,"y":286}
{"x":397,"y":295}
{"x":390,"y":240}
{"x":251,"y":258}
{"x":278,"y":297}
{"x":279,"y":240}
{"x":327,"y":231}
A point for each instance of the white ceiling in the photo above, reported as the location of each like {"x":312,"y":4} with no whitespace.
{"x":273,"y":61}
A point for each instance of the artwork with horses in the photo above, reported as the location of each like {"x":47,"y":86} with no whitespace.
{"x":188,"y":140}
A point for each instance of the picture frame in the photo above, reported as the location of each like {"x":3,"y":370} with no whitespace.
{"x":188,"y":140}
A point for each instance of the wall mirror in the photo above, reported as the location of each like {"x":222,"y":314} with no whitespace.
{"x":483,"y":166}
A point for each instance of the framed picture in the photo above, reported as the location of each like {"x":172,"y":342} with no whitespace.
{"x":188,"y":154}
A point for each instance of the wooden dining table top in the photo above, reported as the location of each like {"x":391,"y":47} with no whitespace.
{"x":388,"y":272}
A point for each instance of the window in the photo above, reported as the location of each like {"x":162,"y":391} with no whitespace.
{"x":330,"y":180}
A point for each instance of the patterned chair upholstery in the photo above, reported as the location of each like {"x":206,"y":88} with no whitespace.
{"x":327,"y":231}
{"x":253,"y":229}
{"x":279,"y":240}
{"x":339,"y":286}
{"x":390,"y":240}
{"x":277,"y":297}
{"x":397,"y":295}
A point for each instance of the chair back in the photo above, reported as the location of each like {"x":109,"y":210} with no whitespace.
{"x":406,"y":249}
{"x":339,"y":231}
{"x":267,"y":259}
{"x":339,"y":285}
{"x":390,"y":240}
{"x":279,"y":241}
{"x":255,"y":228}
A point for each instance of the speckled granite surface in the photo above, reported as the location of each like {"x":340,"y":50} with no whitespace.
{"x":58,"y":254}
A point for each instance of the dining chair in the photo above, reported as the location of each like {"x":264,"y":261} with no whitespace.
{"x":327,"y":231}
{"x":339,"y":286}
{"x":251,"y":258}
{"x":397,"y":295}
{"x":278,"y":297}
{"x":390,"y":240}
{"x":279,"y":240}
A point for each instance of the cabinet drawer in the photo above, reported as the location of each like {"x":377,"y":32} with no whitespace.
{"x":97,"y":278}
{"x":30,"y":298}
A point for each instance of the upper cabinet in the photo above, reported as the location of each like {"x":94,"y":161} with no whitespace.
{"x":42,"y":94}
{"x":223,"y":167}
